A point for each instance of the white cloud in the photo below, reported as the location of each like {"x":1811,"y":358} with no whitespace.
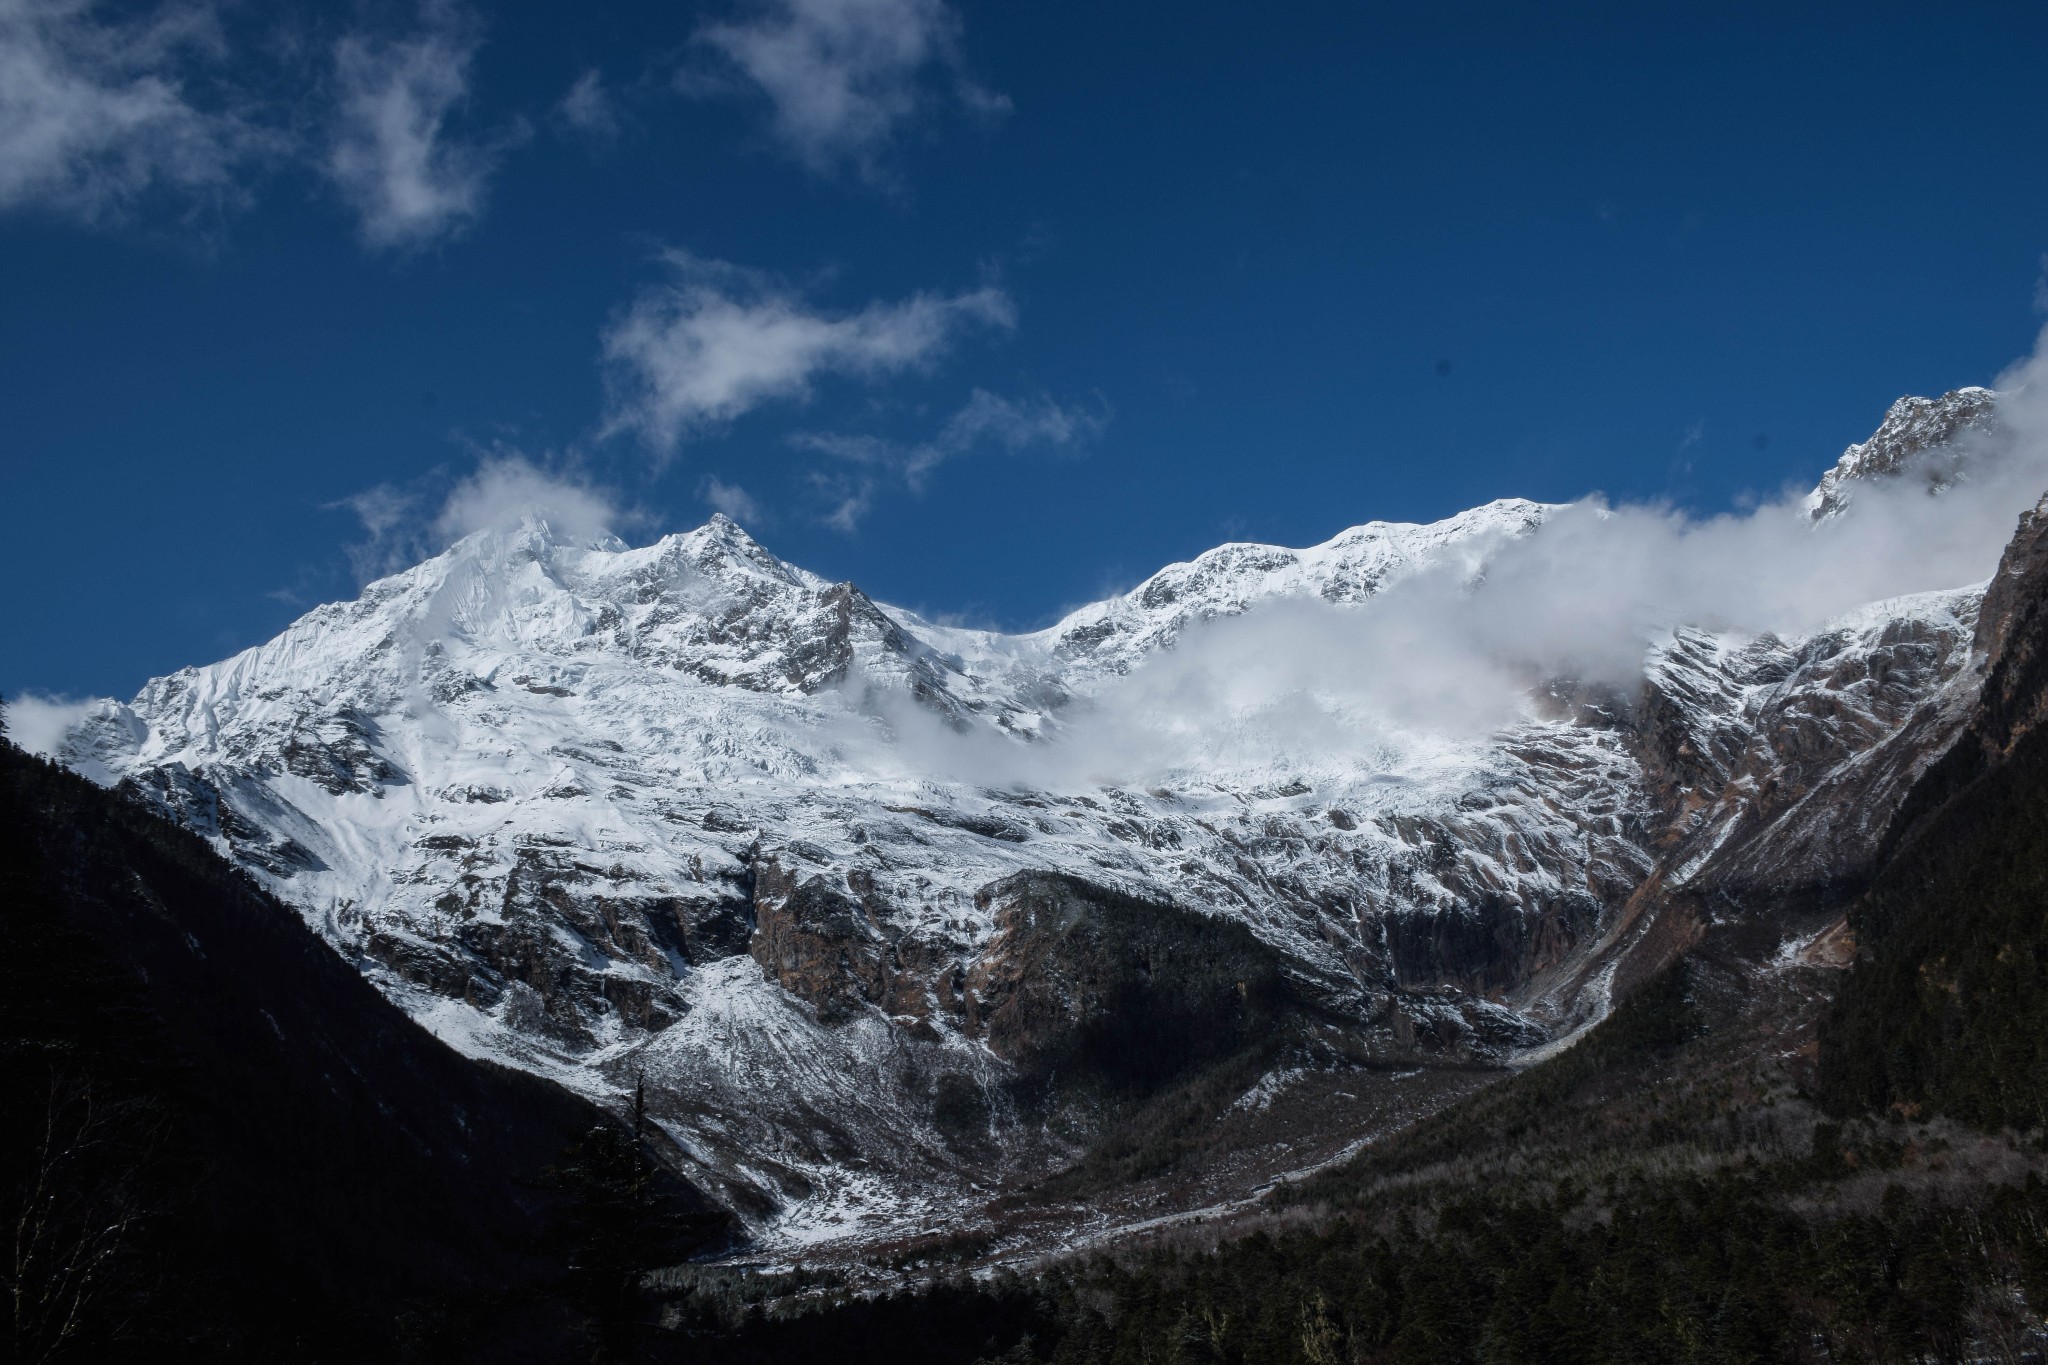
{"x":731,"y":499}
{"x":40,"y":724}
{"x":391,"y":154}
{"x":987,"y":420}
{"x":95,"y":112}
{"x":842,"y":76}
{"x":390,"y":521}
{"x":589,"y":108}
{"x":404,"y":525}
{"x":718,"y":340}
{"x":507,"y":489}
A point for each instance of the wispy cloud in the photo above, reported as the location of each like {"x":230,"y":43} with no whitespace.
{"x":41,"y":724}
{"x":96,"y":111}
{"x":388,"y":516}
{"x":841,"y":77}
{"x":731,"y":499}
{"x":849,"y":494}
{"x":715,"y":341}
{"x":590,"y":108}
{"x":410,"y":180}
{"x":404,"y":524}
{"x":987,"y":421}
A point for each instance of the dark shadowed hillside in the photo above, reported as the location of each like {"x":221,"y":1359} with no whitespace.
{"x":1947,"y":1012}
{"x":221,"y":1143}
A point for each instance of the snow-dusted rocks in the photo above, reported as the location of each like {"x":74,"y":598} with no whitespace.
{"x":1912,"y":430}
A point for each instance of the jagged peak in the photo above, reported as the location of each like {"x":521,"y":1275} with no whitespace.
{"x":1352,"y":565}
{"x":1510,"y":514}
{"x":721,"y":546}
{"x":1912,"y":425}
{"x":724,"y":531}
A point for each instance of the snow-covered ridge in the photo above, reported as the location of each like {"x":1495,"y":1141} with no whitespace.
{"x":679,"y":810}
{"x":1112,"y":636}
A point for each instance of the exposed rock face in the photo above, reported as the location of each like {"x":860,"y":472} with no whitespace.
{"x":1123,"y":991}
{"x":818,"y":944}
{"x":1774,"y":771}
{"x":2012,"y":652}
{"x":2012,"y":636}
{"x":1778,"y":767}
{"x":606,"y":812}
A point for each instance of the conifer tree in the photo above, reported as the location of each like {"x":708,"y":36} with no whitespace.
{"x":622,"y":1220}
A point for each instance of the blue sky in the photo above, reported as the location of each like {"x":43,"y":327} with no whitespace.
{"x":991,"y":307}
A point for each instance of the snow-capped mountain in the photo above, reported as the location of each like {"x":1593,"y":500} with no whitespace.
{"x":831,"y":878}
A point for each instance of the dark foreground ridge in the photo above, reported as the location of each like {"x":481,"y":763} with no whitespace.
{"x":219,"y":1142}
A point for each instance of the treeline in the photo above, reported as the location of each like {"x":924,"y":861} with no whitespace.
{"x":1715,"y":1270}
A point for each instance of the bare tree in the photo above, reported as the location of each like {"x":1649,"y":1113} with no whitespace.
{"x":77,"y":1210}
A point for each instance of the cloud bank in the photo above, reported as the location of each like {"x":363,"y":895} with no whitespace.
{"x":716,"y":340}
{"x":841,"y":77}
{"x":1442,"y":659}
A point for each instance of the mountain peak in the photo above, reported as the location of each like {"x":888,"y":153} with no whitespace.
{"x":1912,"y":426}
{"x":723,"y":530}
{"x":533,"y":533}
